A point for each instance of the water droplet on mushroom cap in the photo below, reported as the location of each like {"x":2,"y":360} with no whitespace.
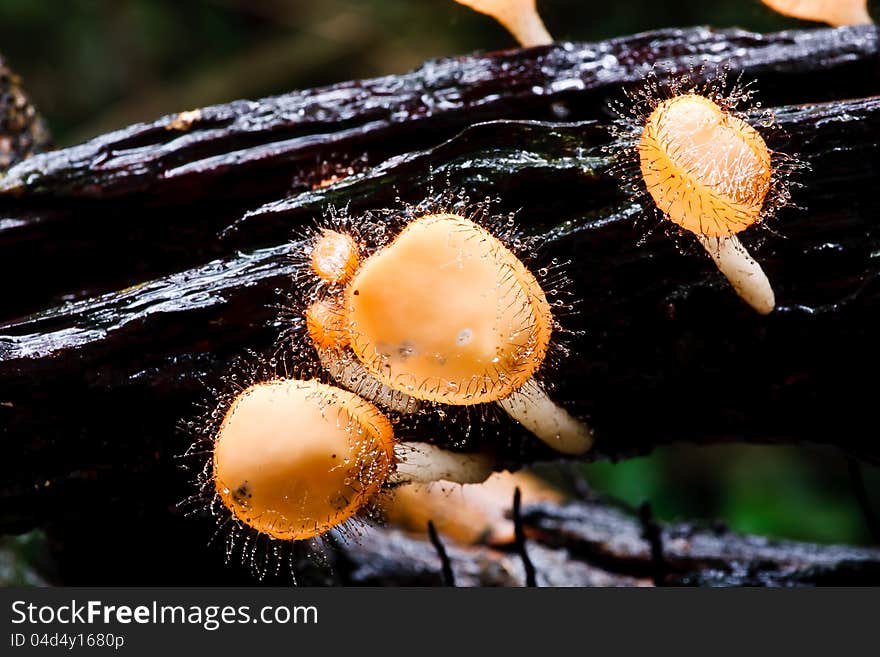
{"x":411,"y":306}
{"x":293,"y":459}
{"x":707,"y":170}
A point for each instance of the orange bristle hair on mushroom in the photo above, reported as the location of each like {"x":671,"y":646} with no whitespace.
{"x":519,"y":17}
{"x":443,"y":313}
{"x":834,"y":12}
{"x":698,"y":160}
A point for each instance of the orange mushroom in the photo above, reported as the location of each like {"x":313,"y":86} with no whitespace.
{"x":710,"y":172}
{"x":833,"y":12}
{"x":292,"y":459}
{"x":446,"y":313}
{"x":520,"y":17}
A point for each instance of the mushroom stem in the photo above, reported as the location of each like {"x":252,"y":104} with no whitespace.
{"x":743,"y":272}
{"x":348,"y":372}
{"x":527,"y":27}
{"x":426,"y":463}
{"x":532,"y":408}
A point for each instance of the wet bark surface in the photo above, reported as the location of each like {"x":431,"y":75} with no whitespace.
{"x":150,"y":259}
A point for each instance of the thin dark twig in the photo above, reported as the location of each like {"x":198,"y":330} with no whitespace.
{"x":860,"y":490}
{"x":448,"y":575}
{"x":520,"y":537}
{"x":652,"y":533}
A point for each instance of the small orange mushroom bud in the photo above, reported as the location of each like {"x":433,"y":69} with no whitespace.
{"x":709,"y":172}
{"x":292,"y":459}
{"x":519,"y":17}
{"x":833,"y":12}
{"x":446,"y":313}
{"x":326,"y":326}
{"x":334,"y":256}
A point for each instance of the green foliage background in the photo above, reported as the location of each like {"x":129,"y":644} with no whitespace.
{"x":94,"y":65}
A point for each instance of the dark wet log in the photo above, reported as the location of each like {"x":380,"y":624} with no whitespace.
{"x":589,"y":543}
{"x":662,"y":333}
{"x":445,"y":94}
{"x":93,"y":389}
{"x":594,"y":544}
{"x":150,"y":199}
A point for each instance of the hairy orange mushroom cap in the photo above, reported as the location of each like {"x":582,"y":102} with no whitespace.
{"x":447,"y":313}
{"x":833,"y":12}
{"x":520,"y":17}
{"x":292,"y":459}
{"x":710,"y":172}
{"x":707,"y":170}
{"x":334,"y":256}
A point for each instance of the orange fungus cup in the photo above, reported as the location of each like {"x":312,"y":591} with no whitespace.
{"x":710,"y":172}
{"x":293,"y":459}
{"x":447,"y":313}
{"x":325,"y":324}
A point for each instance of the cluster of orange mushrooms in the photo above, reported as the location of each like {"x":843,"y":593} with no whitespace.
{"x":294,"y":458}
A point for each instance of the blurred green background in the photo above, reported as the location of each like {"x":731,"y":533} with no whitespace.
{"x":95,"y":65}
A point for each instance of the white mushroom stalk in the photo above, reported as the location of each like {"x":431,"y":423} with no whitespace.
{"x":533,"y":409}
{"x":426,"y":463}
{"x":742,"y":270}
{"x":710,"y":172}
